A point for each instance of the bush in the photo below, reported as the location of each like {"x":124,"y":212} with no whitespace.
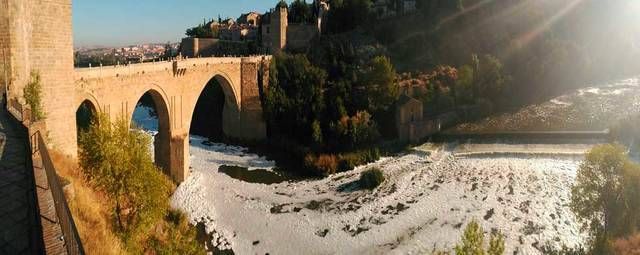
{"x":604,"y":197}
{"x":472,"y":242}
{"x":349,"y":161}
{"x":175,"y":236}
{"x":33,"y":96}
{"x":325,"y":165}
{"x":371,"y":178}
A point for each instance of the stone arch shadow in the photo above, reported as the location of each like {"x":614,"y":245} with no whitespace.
{"x":232,"y":105}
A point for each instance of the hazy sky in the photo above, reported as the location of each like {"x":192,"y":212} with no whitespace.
{"x":124,"y":22}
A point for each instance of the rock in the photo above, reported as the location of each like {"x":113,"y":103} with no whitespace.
{"x":489,"y":214}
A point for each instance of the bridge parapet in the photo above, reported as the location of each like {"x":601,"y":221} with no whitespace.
{"x":162,"y":66}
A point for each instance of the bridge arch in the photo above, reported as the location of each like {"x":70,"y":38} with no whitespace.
{"x":225,"y":114}
{"x":87,"y":96}
{"x":86,"y":112}
{"x":232,"y":95}
{"x":161,"y":140}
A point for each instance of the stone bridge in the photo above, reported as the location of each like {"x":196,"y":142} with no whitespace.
{"x":175,"y":88}
{"x":37,"y":36}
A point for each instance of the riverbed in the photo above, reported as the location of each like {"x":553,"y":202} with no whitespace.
{"x":430,"y":193}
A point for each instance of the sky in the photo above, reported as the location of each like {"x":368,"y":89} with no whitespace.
{"x":127,"y":22}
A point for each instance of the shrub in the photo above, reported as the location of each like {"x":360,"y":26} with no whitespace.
{"x":356,"y":131}
{"x":604,"y":197}
{"x":371,"y":178}
{"x":33,"y":96}
{"x":472,"y":242}
{"x":324,"y":164}
{"x":349,"y":161}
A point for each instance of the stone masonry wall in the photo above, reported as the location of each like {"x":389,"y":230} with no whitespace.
{"x":41,"y":40}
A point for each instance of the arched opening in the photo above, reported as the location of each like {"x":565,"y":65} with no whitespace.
{"x":85,"y":114}
{"x":215,"y":101}
{"x":151,"y":115}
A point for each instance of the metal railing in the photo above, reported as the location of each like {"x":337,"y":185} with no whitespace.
{"x":69,"y":232}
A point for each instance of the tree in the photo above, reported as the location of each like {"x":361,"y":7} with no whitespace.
{"x":168,"y":51}
{"x":380,"y":84}
{"x":491,"y":78}
{"x":117,"y":161}
{"x":300,"y":12}
{"x":464,"y":84}
{"x":604,"y":197}
{"x":445,"y":78}
{"x":295,"y":97}
{"x":203,"y":30}
{"x":345,"y":15}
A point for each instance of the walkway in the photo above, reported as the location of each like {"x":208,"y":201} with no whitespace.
{"x":19,"y":224}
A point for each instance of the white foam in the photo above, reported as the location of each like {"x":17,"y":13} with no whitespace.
{"x":442,"y":194}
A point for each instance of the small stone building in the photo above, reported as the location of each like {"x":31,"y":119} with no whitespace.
{"x":410,"y":121}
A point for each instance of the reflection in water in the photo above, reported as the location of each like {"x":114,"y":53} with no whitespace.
{"x":253,"y":176}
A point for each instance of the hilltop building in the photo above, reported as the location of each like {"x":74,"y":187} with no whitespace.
{"x":278,"y":33}
{"x":253,"y":33}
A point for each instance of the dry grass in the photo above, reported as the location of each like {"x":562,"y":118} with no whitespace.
{"x":89,"y":208}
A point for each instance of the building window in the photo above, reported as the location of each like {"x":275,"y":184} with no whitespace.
{"x":268,"y":30}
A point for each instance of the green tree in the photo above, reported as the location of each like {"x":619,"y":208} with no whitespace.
{"x":117,"y":162}
{"x":295,"y":97}
{"x":464,"y":84}
{"x":203,"y":30}
{"x":33,"y":96}
{"x":300,"y":12}
{"x":604,"y":197}
{"x":345,"y":15}
{"x":491,"y":79}
{"x":380,"y":84}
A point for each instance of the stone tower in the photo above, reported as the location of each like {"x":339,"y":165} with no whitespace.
{"x":279,"y":25}
{"x":36,"y":36}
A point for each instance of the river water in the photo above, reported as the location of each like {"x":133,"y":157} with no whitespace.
{"x":430,"y":193}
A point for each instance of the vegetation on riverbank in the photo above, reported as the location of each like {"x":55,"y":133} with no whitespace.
{"x":604,"y":197}
{"x":88,"y":208}
{"x":119,"y":199}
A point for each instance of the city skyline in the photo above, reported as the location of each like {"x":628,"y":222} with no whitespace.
{"x":120,"y":22}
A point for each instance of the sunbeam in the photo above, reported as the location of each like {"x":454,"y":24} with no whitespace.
{"x":529,"y":36}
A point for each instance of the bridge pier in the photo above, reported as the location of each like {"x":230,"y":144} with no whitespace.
{"x":179,"y":157}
